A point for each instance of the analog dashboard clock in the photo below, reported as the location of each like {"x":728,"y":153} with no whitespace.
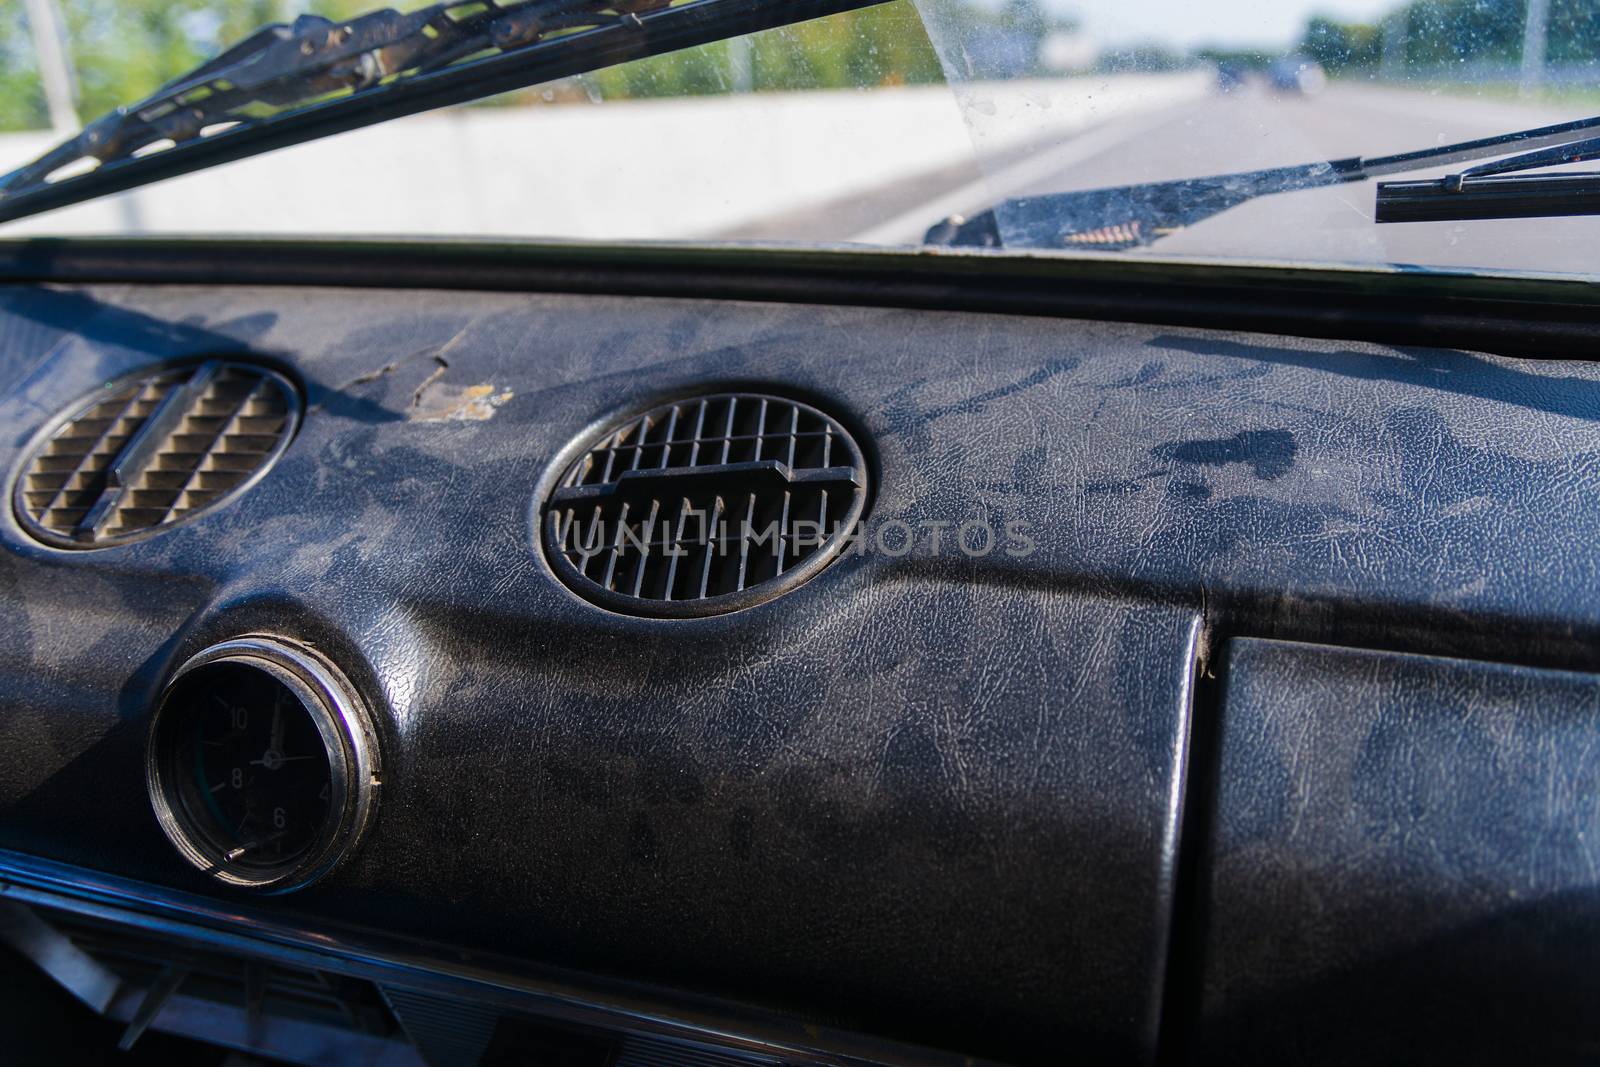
{"x":263,"y":764}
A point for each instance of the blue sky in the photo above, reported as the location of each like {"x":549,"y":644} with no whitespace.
{"x":1186,"y":23}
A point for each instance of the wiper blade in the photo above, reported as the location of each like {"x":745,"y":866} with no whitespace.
{"x":1498,"y":190}
{"x":1516,"y":196}
{"x":1133,"y":216}
{"x":317,"y":77}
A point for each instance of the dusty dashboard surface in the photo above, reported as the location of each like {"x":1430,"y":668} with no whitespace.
{"x":941,"y":790}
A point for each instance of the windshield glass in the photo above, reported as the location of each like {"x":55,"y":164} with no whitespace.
{"x":943,"y":121}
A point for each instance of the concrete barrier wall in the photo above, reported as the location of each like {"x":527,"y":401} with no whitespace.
{"x":682,"y":168}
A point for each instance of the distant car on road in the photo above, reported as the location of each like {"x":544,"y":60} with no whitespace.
{"x":1297,"y":74}
{"x":1231,"y":76}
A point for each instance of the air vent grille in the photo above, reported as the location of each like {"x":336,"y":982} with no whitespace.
{"x":271,"y":989}
{"x":706,"y":505}
{"x":151,"y":451}
{"x":451,"y":1032}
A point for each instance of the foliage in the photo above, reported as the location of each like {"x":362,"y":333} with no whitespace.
{"x":1442,"y":32}
{"x":1240,"y":58}
{"x":871,"y":46}
{"x":1444,"y":35}
{"x":21,"y":102}
{"x":1341,"y":46}
{"x":122,"y":50}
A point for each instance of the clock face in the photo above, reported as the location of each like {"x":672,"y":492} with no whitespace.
{"x":249,"y":765}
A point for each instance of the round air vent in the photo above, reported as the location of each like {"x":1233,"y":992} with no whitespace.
{"x":705,"y":506}
{"x":149,"y":451}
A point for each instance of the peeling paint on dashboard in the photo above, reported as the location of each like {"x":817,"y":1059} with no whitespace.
{"x":453,"y":403}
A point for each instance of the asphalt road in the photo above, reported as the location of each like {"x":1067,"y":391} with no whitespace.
{"x":1253,"y":128}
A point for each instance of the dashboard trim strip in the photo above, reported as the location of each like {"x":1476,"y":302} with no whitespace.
{"x":1506,"y":312}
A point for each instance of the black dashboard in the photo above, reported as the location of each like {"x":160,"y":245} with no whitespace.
{"x":1191,"y":694}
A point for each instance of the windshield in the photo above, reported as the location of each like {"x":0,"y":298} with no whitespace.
{"x":913,"y":121}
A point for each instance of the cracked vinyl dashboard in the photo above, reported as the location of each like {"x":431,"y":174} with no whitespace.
{"x":460,"y":677}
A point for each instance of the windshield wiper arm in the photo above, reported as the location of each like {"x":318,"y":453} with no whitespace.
{"x":1131,"y":216}
{"x":326,"y":77}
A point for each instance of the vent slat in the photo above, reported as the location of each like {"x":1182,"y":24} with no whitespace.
{"x":191,"y":443}
{"x":51,"y":480}
{"x":137,"y":518}
{"x":64,"y":518}
{"x":154,"y":478}
{"x":269,"y":425}
{"x":645,"y":560}
{"x":192,"y":500}
{"x":75,"y":498}
{"x":218,"y":480}
{"x":711,"y":539}
{"x":781,"y":552}
{"x":83,"y":434}
{"x":153,"y":450}
{"x":52,"y":462}
{"x":674,"y":551}
{"x":242,"y":443}
{"x":747,"y":533}
{"x":138,"y":499}
{"x":217,"y":407}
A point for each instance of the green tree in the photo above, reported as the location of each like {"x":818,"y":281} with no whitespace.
{"x":21,"y":99}
{"x":1445,"y":33}
{"x":123,"y":49}
{"x":1341,"y":46}
{"x":1444,"y":36}
{"x":883,"y":45}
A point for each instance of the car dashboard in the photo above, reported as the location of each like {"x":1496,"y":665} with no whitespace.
{"x":1202,"y":674}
